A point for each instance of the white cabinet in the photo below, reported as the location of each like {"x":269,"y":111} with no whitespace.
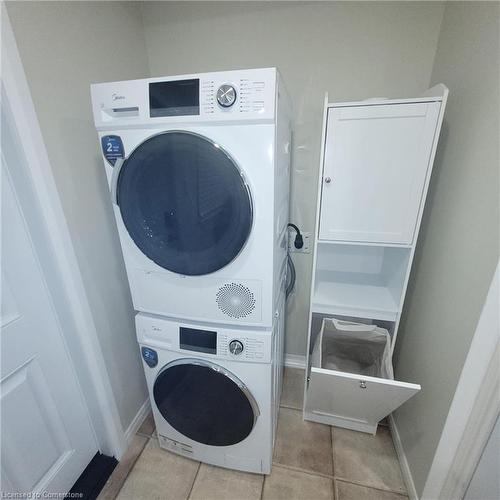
{"x":376,"y":163}
{"x":375,"y":166}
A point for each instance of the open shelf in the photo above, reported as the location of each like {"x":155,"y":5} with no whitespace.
{"x":365,"y":244}
{"x":360,"y":281}
{"x":354,"y":299}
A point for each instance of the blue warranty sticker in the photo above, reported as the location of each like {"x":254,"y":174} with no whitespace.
{"x":112,"y":148}
{"x":150,"y":356}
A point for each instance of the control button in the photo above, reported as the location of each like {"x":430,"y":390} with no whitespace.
{"x":235,"y":347}
{"x":226,"y":95}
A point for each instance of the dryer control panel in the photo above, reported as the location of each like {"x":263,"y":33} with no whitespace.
{"x":241,"y":95}
{"x":200,"y":341}
{"x":205,"y":97}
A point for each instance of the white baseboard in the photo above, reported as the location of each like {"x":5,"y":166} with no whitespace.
{"x":137,"y":421}
{"x":405,"y":468}
{"x":295,"y":361}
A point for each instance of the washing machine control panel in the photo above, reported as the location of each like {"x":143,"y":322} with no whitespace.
{"x":236,"y":344}
{"x":242,"y":347}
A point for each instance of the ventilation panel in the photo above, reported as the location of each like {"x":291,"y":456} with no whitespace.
{"x":235,"y":300}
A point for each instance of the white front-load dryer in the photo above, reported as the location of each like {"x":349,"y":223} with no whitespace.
{"x":198,"y":171}
{"x":214,"y":391}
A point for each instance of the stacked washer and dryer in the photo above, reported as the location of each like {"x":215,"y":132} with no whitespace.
{"x":198,"y":169}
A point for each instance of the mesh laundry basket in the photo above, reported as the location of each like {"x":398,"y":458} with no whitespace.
{"x":354,"y":348}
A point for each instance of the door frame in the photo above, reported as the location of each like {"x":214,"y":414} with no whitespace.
{"x":37,"y":191}
{"x":474,"y":409}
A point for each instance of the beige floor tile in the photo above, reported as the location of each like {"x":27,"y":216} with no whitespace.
{"x":349,"y":491}
{"x":301,"y":444}
{"x":293,"y":388}
{"x":215,"y":483}
{"x":370,"y":460}
{"x":286,"y":484}
{"x":148,"y":426}
{"x":119,"y":475}
{"x":159,"y":474}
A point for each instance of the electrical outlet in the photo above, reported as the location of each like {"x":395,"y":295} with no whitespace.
{"x":291,"y":239}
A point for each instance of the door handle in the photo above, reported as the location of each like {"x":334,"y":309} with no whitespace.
{"x":328,"y":180}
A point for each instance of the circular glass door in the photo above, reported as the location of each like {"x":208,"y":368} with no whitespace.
{"x":185,"y":203}
{"x":205,"y":403}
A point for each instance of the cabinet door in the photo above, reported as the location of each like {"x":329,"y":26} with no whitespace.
{"x":354,"y":401}
{"x":375,"y":167}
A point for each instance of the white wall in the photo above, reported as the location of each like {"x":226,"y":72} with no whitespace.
{"x":458,"y":248}
{"x":65,"y":46}
{"x":353,"y":50}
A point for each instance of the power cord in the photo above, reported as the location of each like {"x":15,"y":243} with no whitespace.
{"x":299,"y":241}
{"x":293,"y":276}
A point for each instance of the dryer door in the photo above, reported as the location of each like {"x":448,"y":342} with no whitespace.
{"x":204,"y":402}
{"x":185,"y":203}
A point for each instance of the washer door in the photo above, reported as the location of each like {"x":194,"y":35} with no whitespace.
{"x":205,"y":403}
{"x":185,"y":203}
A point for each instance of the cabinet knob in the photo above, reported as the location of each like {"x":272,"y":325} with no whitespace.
{"x":362,"y":384}
{"x":328,"y":180}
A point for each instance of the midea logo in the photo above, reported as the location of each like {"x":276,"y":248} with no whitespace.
{"x":116,"y":97}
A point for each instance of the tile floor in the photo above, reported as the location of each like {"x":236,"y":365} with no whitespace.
{"x":326,"y":463}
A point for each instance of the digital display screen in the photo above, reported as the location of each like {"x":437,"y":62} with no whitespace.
{"x":198,"y":340}
{"x":177,"y":98}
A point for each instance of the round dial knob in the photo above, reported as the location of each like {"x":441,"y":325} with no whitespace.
{"x":226,"y":95}
{"x":235,"y":347}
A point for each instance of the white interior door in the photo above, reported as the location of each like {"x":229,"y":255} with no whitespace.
{"x":47,"y":438}
{"x":375,"y":167}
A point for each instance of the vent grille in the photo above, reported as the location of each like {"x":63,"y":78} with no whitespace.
{"x":235,"y":300}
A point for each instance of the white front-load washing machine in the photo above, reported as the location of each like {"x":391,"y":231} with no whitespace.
{"x":198,"y":171}
{"x":214,"y":390}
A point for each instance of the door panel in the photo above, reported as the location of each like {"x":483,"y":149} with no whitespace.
{"x":36,"y":428}
{"x":47,"y":439}
{"x":9,"y":311}
{"x":355,"y":397}
{"x":375,"y":167}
